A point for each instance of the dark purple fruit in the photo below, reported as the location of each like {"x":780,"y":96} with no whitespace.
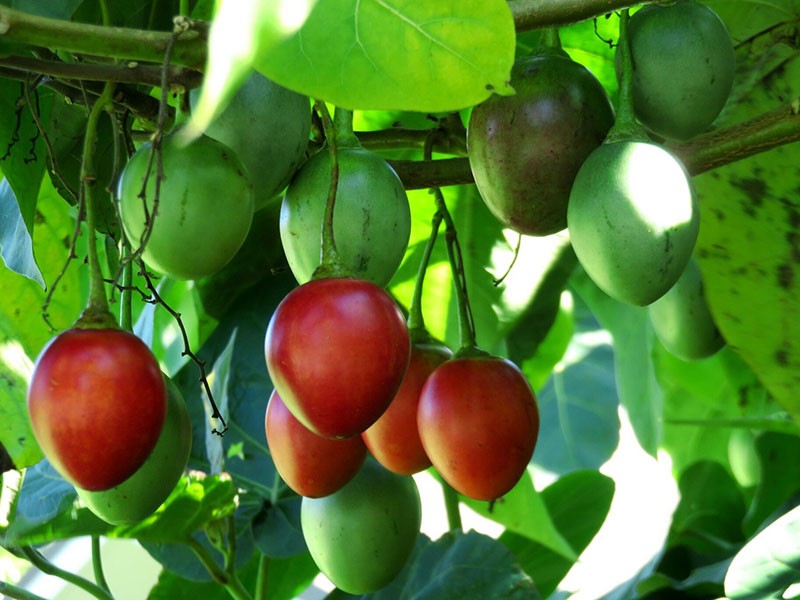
{"x":525,"y":149}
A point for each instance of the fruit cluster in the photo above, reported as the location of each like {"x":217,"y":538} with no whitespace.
{"x":360,"y":404}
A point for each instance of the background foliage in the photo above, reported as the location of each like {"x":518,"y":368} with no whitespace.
{"x":726,"y":427}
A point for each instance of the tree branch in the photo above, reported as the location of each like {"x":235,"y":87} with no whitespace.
{"x":700,"y":154}
{"x":96,"y":40}
{"x":131,"y":72}
{"x":537,"y":14}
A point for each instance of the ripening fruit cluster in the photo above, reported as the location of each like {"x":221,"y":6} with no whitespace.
{"x":542,"y":162}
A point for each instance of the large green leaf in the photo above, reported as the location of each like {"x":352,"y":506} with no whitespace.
{"x":380,"y":54}
{"x":579,"y":423}
{"x":578,"y":504}
{"x":749,"y":245}
{"x":637,"y":387}
{"x":523,"y":511}
{"x":769,"y":563}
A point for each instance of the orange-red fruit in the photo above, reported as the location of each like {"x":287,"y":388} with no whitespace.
{"x":394,"y":438}
{"x":337,"y":350}
{"x":97,"y":404}
{"x":311,"y":465}
{"x":478,"y":421}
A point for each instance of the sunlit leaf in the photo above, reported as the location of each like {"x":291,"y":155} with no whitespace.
{"x":769,"y":563}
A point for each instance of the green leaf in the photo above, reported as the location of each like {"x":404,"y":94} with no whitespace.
{"x":710,"y":512}
{"x":523,"y":511}
{"x":767,"y":565}
{"x":219,"y":377}
{"x":277,"y":531}
{"x":43,"y":496}
{"x":454,"y":53}
{"x":16,"y":435}
{"x":16,"y":245}
{"x":578,"y":504}
{"x":579,"y":424}
{"x":57,"y":9}
{"x":748,"y":244}
{"x":22,"y":151}
{"x":469,"y":565}
{"x":637,"y":386}
{"x":780,"y":476}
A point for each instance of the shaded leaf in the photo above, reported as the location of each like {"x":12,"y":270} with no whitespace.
{"x":780,"y":476}
{"x":579,"y":425}
{"x":457,"y":565}
{"x":16,"y":245}
{"x":277,"y":531}
{"x":637,"y":386}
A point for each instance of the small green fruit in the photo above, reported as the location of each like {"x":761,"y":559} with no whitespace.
{"x":682,"y":320}
{"x":683,"y":67}
{"x":205,"y":206}
{"x":362,"y":535}
{"x":267,"y":126}
{"x":633,"y":220}
{"x":144,"y":491}
{"x":371,"y":222}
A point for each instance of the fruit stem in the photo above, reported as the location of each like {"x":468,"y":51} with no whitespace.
{"x":550,"y":39}
{"x":465,"y":321}
{"x":38,"y":560}
{"x":451,"y":507}
{"x":97,"y":564}
{"x":416,"y":322}
{"x":330,"y":263}
{"x":97,"y":313}
{"x":343,"y":128}
{"x":262,"y":580}
{"x":626,"y":127}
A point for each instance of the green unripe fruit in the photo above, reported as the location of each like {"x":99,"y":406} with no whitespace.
{"x":371,"y":221}
{"x":633,"y":220}
{"x":525,"y":149}
{"x":362,"y":535}
{"x":144,"y":491}
{"x":267,"y":126}
{"x":682,"y":321}
{"x":205,"y":206}
{"x":683,"y":67}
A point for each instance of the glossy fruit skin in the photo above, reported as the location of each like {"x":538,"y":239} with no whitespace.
{"x":682,"y":320}
{"x":525,"y":150}
{"x":633,"y":220}
{"x":479,"y":422}
{"x":313,"y":466}
{"x":337,"y":351}
{"x":267,"y":126}
{"x":143,"y":492}
{"x":684,"y":65}
{"x":361,"y":536}
{"x":97,"y":404}
{"x":371,"y":221}
{"x":394,"y":438}
{"x":204,"y":212}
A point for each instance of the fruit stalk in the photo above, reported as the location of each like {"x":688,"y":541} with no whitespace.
{"x":97,"y":313}
{"x":330,"y":263}
{"x":465,"y":321}
{"x":625,"y":127}
{"x":45,"y":566}
{"x":416,"y":322}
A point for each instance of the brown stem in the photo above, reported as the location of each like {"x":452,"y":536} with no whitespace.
{"x":759,"y":134}
{"x":180,"y":78}
{"x":537,"y":14}
{"x":700,"y":154}
{"x":97,"y":40}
